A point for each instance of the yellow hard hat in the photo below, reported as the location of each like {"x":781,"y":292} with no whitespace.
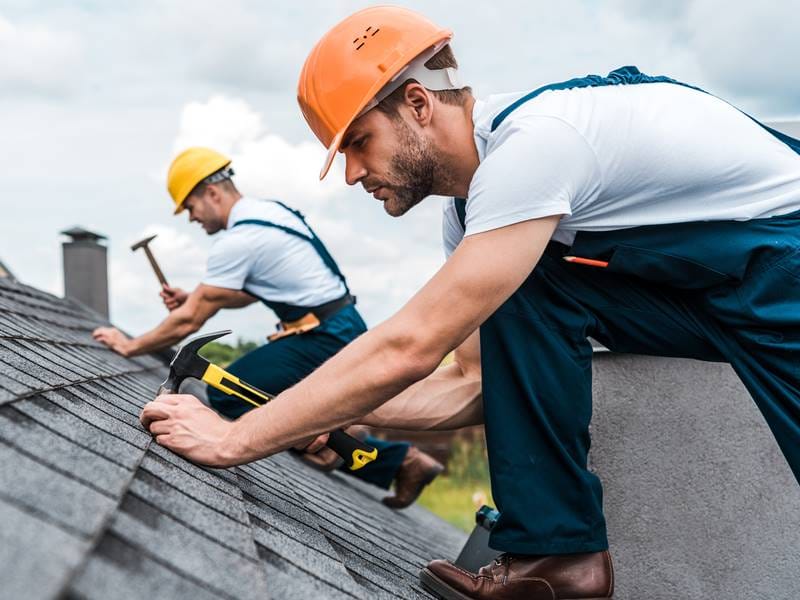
{"x":191,"y":167}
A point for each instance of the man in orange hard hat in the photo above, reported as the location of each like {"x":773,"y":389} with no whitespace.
{"x":634,"y":209}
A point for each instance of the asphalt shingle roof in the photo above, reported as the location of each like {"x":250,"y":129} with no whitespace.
{"x":91,"y":507}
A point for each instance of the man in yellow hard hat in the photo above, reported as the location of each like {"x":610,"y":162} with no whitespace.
{"x":635,"y":209}
{"x":265,"y":250}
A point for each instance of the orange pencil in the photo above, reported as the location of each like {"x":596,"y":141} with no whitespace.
{"x":586,"y":261}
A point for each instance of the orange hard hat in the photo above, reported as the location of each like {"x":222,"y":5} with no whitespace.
{"x":354,"y":61}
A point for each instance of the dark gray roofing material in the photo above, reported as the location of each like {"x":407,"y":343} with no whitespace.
{"x":90,"y":507}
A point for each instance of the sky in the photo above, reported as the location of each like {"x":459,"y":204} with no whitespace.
{"x":97,"y":97}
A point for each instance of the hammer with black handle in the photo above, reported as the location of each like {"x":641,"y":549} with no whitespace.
{"x":187,"y":363}
{"x":145,"y":244}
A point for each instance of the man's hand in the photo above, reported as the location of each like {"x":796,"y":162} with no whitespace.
{"x":186,"y":426}
{"x":173,"y":297}
{"x":316,"y":445}
{"x":114,"y":339}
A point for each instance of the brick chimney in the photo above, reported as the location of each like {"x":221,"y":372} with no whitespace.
{"x":86,"y":269}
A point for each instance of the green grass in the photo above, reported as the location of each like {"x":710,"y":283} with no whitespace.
{"x":452,"y":500}
{"x":456,"y":495}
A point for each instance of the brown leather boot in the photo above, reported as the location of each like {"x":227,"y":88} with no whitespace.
{"x":517,"y":577}
{"x":417,"y":470}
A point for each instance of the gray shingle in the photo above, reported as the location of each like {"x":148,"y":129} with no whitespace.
{"x":79,"y":430}
{"x":49,"y":447}
{"x":36,"y":557}
{"x":22,"y":370}
{"x":124,"y":572}
{"x":195,"y":513}
{"x":54,"y":495}
{"x":103,"y":414}
{"x":287,"y":581}
{"x":312,"y":562}
{"x":213,"y":497}
{"x":177,"y":545}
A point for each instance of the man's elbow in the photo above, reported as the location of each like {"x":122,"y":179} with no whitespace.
{"x":186,"y":324}
{"x":413,"y":356}
{"x":192,"y":326}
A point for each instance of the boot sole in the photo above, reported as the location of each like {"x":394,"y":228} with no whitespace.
{"x":433,"y":584}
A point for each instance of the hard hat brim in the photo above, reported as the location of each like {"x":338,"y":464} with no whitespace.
{"x":332,"y":149}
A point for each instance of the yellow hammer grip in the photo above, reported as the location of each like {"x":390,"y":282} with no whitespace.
{"x":220,"y":379}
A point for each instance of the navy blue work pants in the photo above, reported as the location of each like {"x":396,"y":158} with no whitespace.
{"x":279,"y":365}
{"x":725,"y":291}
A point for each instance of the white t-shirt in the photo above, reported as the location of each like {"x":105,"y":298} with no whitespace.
{"x":268,"y":262}
{"x":622,"y":156}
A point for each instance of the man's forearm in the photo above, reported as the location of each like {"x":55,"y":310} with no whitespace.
{"x":172,"y":330}
{"x":449,"y":398}
{"x":159,"y":338}
{"x":202,"y":304}
{"x":294,"y":417}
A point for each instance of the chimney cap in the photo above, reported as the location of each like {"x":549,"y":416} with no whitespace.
{"x":79,"y":234}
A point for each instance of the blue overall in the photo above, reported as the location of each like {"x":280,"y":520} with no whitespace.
{"x":725,"y":291}
{"x":278,"y":365}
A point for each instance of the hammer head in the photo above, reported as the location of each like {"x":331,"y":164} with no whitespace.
{"x":187,"y":363}
{"x":143,"y":243}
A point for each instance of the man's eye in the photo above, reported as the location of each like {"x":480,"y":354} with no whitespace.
{"x":360,"y":142}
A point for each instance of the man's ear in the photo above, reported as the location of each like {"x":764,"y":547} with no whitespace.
{"x":213,"y":194}
{"x":420,"y":101}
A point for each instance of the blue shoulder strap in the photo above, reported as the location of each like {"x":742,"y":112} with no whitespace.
{"x":461,"y":211}
{"x":624,"y":76}
{"x":312,"y":239}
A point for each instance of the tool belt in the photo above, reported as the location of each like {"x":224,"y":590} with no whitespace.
{"x":312,"y":319}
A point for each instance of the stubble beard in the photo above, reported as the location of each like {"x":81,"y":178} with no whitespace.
{"x":415,"y":171}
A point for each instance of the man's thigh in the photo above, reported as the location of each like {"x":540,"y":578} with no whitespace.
{"x":278,"y":365}
{"x":624,"y":313}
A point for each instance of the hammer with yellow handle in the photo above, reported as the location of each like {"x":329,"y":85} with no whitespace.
{"x":188,"y":363}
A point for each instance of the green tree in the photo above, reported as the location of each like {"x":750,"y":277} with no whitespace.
{"x":222,"y":354}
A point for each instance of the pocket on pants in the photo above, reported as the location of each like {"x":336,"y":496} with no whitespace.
{"x":659,"y":267}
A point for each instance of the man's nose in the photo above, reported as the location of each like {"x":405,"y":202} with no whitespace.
{"x":354,"y":170}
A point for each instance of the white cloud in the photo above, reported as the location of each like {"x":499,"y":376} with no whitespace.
{"x":751,"y":52}
{"x":265,"y":163}
{"x":38,"y":59}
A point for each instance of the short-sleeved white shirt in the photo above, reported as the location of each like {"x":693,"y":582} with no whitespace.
{"x":268,"y":262}
{"x":622,"y":156}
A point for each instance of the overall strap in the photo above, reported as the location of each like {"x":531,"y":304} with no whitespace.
{"x":312,"y":239}
{"x":625,"y":76}
{"x":461,"y":211}
{"x":621,"y":76}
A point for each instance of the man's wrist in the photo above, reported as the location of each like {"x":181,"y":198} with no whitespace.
{"x":129,"y":348}
{"x":233,"y":449}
